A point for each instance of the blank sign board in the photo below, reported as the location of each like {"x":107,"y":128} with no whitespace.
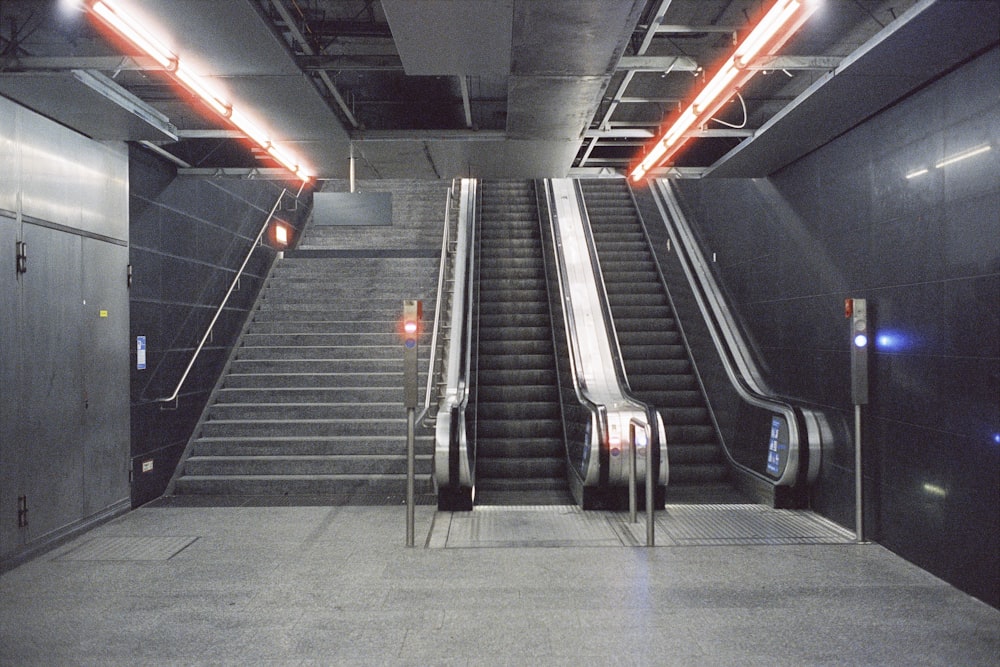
{"x":352,"y":208}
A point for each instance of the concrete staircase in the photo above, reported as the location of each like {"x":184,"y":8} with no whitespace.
{"x":311,"y":402}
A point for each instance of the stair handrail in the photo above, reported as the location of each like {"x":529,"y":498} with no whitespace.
{"x":439,"y":302}
{"x":736,"y":359}
{"x":225,"y":299}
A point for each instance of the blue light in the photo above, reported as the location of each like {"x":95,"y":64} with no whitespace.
{"x":996,"y":438}
{"x":860,"y":340}
{"x":891,"y":341}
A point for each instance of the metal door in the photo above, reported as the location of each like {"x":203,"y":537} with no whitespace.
{"x":105,"y":366}
{"x":10,"y":472}
{"x":49,"y":420}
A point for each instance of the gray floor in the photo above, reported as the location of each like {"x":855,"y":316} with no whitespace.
{"x":336,"y":585}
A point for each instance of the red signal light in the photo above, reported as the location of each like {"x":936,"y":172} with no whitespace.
{"x":410,"y":325}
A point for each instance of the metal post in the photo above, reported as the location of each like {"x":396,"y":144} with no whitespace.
{"x":352,"y":168}
{"x":650,"y":474}
{"x":859,"y":515}
{"x":412,"y":314}
{"x":410,"y":474}
{"x":631,"y":478}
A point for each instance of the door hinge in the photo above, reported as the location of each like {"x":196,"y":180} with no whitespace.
{"x":128,"y":278}
{"x":22,"y":257}
{"x":22,"y":511}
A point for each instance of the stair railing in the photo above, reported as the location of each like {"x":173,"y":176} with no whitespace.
{"x":437,"y":338}
{"x":173,"y":398}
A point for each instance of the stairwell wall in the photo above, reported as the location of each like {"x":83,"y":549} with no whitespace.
{"x":846,"y":221}
{"x":188,"y":237}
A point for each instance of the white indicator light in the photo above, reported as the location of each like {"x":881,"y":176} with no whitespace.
{"x":860,"y":340}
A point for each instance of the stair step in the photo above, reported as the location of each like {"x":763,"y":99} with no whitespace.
{"x":284,"y":485}
{"x":302,"y":411}
{"x":345,"y":445}
{"x":304,"y":465}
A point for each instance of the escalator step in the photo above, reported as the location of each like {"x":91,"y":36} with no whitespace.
{"x":516,"y":394}
{"x":520,"y":468}
{"x":687,"y":434}
{"x":506,"y":377}
{"x":494,"y":347}
{"x":513,"y":332}
{"x":526,"y":363}
{"x":519,"y":410}
{"x":520,"y":429}
{"x":524,"y":448}
{"x":701,"y":453}
{"x":654,"y":352}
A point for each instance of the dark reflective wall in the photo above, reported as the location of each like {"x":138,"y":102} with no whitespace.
{"x":188,"y":237}
{"x":860,"y":218}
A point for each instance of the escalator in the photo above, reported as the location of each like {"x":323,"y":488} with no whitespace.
{"x":656,"y":362}
{"x":518,"y":432}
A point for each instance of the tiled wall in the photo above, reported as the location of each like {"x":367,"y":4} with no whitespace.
{"x":188,"y":236}
{"x":846,"y":221}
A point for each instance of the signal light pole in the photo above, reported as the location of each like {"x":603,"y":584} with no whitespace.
{"x":412,"y":313}
{"x":857,"y":311}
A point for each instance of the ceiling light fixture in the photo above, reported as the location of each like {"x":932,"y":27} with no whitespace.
{"x":964,"y":155}
{"x":780,"y":22}
{"x":139,"y":36}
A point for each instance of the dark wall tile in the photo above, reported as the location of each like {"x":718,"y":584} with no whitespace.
{"x":188,"y":237}
{"x":845,"y":221}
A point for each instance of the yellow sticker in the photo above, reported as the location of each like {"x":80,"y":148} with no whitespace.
{"x":104,"y":313}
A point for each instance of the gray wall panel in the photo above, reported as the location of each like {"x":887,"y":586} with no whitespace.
{"x":50,"y":407}
{"x":73,"y":181}
{"x":9,"y":171}
{"x":9,"y":464}
{"x":105,"y":350}
{"x":63,"y":367}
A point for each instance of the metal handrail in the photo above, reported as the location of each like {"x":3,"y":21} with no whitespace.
{"x":736,"y":360}
{"x":439,"y":302}
{"x":225,"y":299}
{"x":451,"y":461}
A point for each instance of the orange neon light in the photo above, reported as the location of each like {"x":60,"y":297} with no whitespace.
{"x":139,"y":36}
{"x":780,"y":22}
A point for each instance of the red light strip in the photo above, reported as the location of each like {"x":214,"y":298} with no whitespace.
{"x":779,"y":23}
{"x":137,"y":34}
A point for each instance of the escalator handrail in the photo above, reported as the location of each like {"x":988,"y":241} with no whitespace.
{"x":598,"y":411}
{"x":605,"y":303}
{"x":733,"y":351}
{"x":457,"y":371}
{"x":625,"y":400}
{"x":658,"y":440}
{"x":438,"y":304}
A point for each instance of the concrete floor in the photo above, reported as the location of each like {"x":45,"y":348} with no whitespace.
{"x":336,"y":585}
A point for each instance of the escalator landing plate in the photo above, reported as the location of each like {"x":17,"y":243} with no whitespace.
{"x":676,"y":526}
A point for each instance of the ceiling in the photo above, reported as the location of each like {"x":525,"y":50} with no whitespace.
{"x":485,"y":88}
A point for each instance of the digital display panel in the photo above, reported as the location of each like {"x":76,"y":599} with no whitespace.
{"x":777,"y":447}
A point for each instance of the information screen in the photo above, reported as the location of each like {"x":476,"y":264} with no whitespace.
{"x":777,"y":448}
